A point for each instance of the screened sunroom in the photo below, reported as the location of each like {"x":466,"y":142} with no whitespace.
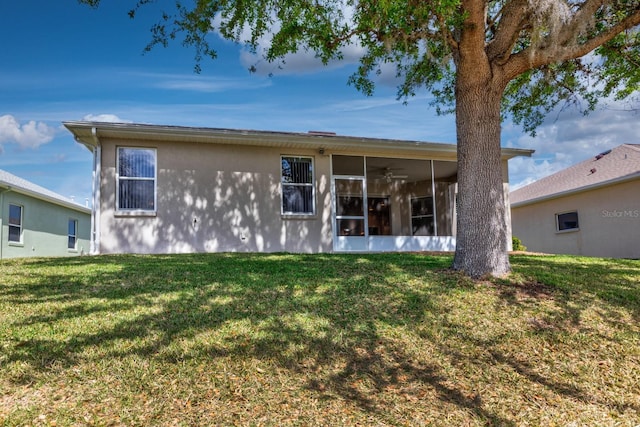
{"x":391,"y":204}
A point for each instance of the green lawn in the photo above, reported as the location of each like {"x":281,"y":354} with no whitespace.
{"x":326,"y":340}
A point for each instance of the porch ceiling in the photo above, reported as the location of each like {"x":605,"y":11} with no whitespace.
{"x":412,"y":170}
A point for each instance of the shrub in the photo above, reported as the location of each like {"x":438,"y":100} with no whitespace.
{"x":517,"y":244}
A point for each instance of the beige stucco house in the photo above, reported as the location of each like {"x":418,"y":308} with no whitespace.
{"x":592,"y":208}
{"x":170,"y":189}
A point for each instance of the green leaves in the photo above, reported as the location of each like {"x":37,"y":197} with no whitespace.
{"x":621,"y":65}
{"x":422,"y":40}
{"x":613,"y":72}
{"x":535,"y":93}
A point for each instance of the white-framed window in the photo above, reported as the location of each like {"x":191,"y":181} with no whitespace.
{"x":567,"y":221}
{"x":72,"y":234}
{"x":15,"y":223}
{"x":298,"y":195}
{"x":136,"y":179}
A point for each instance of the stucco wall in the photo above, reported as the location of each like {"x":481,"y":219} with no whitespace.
{"x":215,"y":198}
{"x":45,"y":228}
{"x":609,"y":223}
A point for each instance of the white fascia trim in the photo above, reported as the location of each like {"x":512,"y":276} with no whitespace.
{"x":265,"y":138}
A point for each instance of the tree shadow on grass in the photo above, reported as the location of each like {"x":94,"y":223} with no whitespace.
{"x":319,"y":316}
{"x":306,"y":312}
{"x":573,"y":285}
{"x":563,"y":294}
{"x":614,"y":281}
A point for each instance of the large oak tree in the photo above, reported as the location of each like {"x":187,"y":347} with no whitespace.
{"x":481,"y":59}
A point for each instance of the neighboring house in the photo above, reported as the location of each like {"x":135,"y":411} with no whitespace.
{"x":592,"y":208}
{"x":170,"y":189}
{"x":38,"y":222}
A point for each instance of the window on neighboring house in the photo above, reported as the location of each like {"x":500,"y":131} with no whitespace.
{"x":567,"y":221}
{"x":15,"y":223}
{"x":297,"y":186}
{"x":72,"y":234}
{"x":136,"y":179}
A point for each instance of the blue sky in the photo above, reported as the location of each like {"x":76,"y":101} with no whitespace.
{"x":65,"y":61}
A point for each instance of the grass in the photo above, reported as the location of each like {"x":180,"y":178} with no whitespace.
{"x":317,"y":340}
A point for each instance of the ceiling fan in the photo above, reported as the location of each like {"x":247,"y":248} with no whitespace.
{"x":389,"y":175}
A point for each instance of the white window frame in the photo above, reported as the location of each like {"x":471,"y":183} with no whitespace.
{"x":567,"y":230}
{"x":311,"y":185}
{"x":74,"y":236}
{"x":154,"y":179}
{"x":19,"y":226}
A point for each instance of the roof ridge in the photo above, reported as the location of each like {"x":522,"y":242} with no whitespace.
{"x":607,"y":166}
{"x":14,"y":180}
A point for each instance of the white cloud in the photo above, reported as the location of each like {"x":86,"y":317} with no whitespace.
{"x":197,"y":82}
{"x":369,"y":103}
{"x":300,"y":62}
{"x":210,"y":85}
{"x":525,"y":170}
{"x":29,"y":135}
{"x":303,"y":61}
{"x":111,"y":118}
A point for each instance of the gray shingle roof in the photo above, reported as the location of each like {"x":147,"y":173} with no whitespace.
{"x":23,"y":186}
{"x":622,"y":162}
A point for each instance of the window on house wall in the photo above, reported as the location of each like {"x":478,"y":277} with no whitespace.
{"x":297,"y":186}
{"x":136,"y":179}
{"x":567,"y":221}
{"x":72,"y":240}
{"x":15,"y":223}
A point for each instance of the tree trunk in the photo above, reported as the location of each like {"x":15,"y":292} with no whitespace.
{"x":481,"y":244}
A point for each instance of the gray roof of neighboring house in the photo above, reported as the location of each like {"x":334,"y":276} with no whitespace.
{"x":19,"y":185}
{"x":619,"y":164}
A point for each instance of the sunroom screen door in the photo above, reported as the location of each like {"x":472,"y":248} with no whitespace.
{"x":351,"y":222}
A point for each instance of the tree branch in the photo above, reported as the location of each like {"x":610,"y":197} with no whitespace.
{"x":513,"y":17}
{"x":581,"y":19}
{"x":447,"y":35}
{"x":554,"y":51}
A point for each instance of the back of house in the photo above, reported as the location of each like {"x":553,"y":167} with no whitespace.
{"x":174,"y":189}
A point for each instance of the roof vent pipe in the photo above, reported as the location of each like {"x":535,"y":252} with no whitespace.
{"x":601,"y":155}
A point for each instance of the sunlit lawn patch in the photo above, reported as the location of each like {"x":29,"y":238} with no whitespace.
{"x":282,"y":339}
